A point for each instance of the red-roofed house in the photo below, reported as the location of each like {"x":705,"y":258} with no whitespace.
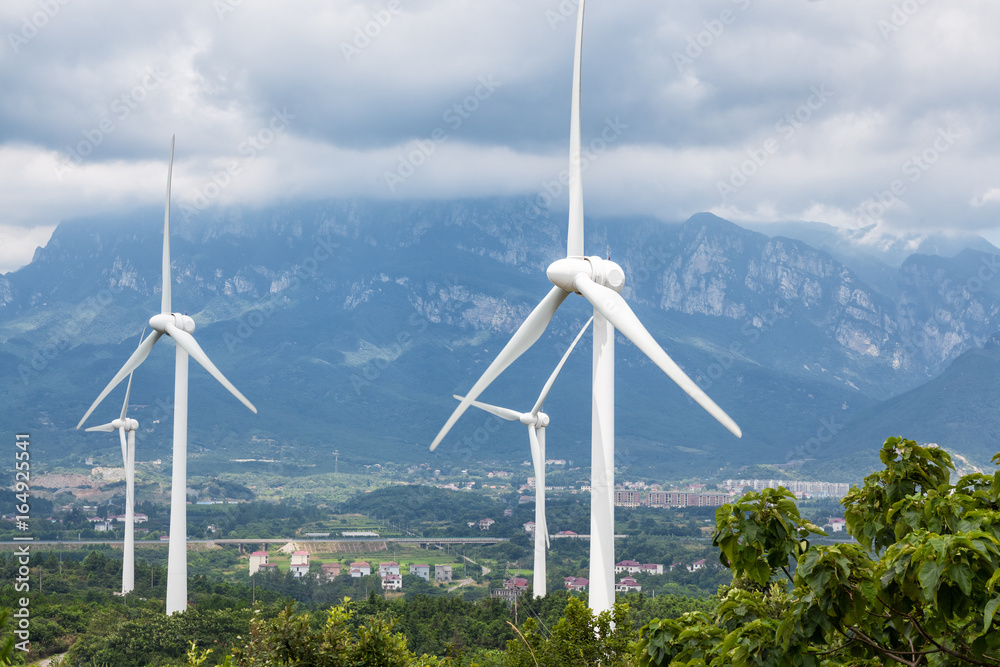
{"x":360,"y":569}
{"x":697,"y":565}
{"x":392,"y":567}
{"x":576,"y":583}
{"x":392,"y":582}
{"x":626,"y":584}
{"x":629,"y":566}
{"x":300,"y":563}
{"x":257,"y":558}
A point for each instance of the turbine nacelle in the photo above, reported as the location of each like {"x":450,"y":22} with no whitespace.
{"x":161,"y":321}
{"x":127,"y":424}
{"x":541,"y":420}
{"x":564,"y":272}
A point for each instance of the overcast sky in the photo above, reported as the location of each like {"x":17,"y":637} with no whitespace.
{"x":753,"y":109}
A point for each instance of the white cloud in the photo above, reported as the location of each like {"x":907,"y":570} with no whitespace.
{"x":700,"y":90}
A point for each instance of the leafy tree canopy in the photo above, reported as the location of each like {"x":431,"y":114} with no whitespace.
{"x":919,"y":588}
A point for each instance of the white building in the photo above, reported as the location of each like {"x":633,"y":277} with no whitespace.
{"x":257,"y":558}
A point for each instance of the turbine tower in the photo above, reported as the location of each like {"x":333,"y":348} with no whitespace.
{"x":536,"y":421}
{"x":179,"y":327}
{"x":599,"y":281}
{"x":124,"y":425}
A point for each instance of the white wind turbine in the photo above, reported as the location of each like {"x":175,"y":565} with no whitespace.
{"x":536,"y":421}
{"x":599,"y":281}
{"x":179,"y":327}
{"x":124,"y":425}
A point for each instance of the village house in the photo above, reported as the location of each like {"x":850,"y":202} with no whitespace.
{"x":422,"y":570}
{"x":442,"y":573}
{"x":360,"y":569}
{"x":330,"y":571}
{"x":392,"y":567}
{"x":576,"y":583}
{"x":511,"y":589}
{"x":626,"y":584}
{"x":629,"y":566}
{"x":529,"y":527}
{"x":697,"y":565}
{"x":257,"y":558}
{"x":300,"y":564}
{"x":392,"y":582}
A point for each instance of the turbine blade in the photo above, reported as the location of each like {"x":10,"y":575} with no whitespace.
{"x":552,"y":378}
{"x":611,"y":305}
{"x":128,"y":390}
{"x":105,"y":428}
{"x":536,"y":437}
{"x":574,"y":239}
{"x":502,"y":413}
{"x":133,"y":362}
{"x":121,"y":432}
{"x":187,"y":342}
{"x":526,"y":335}
{"x":165,"y":293}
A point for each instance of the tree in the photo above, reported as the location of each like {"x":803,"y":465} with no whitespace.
{"x":920,"y":588}
{"x":292,"y":639}
{"x":579,"y":638}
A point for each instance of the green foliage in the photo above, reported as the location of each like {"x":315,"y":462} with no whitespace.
{"x":579,"y":638}
{"x":759,"y":533}
{"x":921,"y":588}
{"x":141,"y":637}
{"x":293,"y":639}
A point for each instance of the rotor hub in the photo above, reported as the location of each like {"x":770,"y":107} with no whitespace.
{"x":183,"y":322}
{"x":604,"y":272}
{"x":541,"y":420}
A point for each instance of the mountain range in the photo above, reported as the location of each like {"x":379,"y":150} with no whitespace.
{"x":350,"y":324}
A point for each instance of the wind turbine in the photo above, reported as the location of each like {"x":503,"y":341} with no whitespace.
{"x":179,"y":327}
{"x":536,"y":421}
{"x":599,"y":281}
{"x":125,"y":425}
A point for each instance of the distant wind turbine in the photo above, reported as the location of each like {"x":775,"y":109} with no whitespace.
{"x":179,"y":327}
{"x":536,"y":421}
{"x":124,"y":426}
{"x":599,"y":281}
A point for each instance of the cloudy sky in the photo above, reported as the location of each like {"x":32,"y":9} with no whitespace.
{"x":841,"y":111}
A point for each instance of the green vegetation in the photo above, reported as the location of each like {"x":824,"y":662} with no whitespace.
{"x":921,"y":586}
